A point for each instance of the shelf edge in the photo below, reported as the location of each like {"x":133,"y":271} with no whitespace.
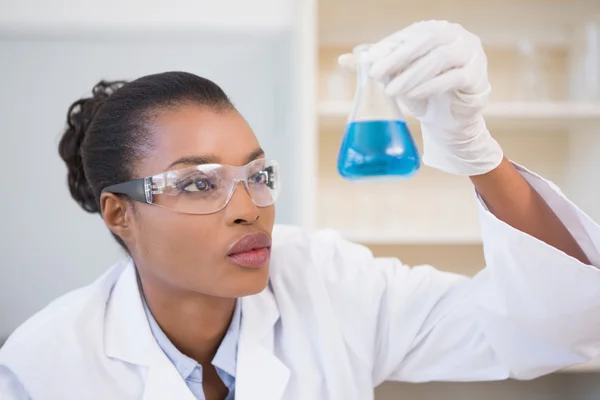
{"x":376,"y":238}
{"x":560,"y":110}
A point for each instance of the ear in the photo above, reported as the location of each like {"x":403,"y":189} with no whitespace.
{"x":116,"y":213}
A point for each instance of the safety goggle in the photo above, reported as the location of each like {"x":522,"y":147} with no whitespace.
{"x":205,"y":188}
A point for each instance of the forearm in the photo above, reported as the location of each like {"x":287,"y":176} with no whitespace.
{"x":511,"y":199}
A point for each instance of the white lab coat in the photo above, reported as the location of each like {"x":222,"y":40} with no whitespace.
{"x":335,"y":322}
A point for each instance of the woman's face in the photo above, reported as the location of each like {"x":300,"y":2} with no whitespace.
{"x":193,"y":252}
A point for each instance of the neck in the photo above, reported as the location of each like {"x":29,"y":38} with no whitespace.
{"x":195,"y":323}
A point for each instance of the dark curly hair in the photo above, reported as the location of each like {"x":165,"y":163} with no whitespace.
{"x":107,"y":132}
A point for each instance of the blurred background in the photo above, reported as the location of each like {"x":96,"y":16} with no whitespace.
{"x":277,"y":60}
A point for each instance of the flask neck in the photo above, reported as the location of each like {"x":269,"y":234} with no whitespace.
{"x":370,"y":101}
{"x":363,"y":64}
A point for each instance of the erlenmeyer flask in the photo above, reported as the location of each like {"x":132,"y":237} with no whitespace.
{"x":377,"y":145}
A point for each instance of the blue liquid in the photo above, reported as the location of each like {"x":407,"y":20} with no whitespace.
{"x":378,"y":151}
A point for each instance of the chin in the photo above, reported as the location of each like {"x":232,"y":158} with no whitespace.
{"x":248,"y":282}
{"x":255,"y":285}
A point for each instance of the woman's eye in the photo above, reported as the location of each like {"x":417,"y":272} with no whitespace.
{"x":260,"y":177}
{"x":197,"y":185}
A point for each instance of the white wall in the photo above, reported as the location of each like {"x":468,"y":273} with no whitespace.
{"x":48,"y":245}
{"x":152,"y":14}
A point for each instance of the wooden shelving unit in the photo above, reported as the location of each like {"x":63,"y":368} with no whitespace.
{"x":555,"y":133}
{"x":549,"y":132}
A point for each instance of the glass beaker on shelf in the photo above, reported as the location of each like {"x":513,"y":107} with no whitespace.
{"x":377,"y":145}
{"x":531,"y":83}
{"x":584,"y":62}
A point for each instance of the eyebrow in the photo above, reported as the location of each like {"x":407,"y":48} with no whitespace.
{"x":211,"y":159}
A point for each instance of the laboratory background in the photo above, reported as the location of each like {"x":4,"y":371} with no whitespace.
{"x":277,"y":59}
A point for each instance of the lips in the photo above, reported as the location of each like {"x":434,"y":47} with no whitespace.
{"x":252,"y":250}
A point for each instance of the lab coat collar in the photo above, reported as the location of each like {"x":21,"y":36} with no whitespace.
{"x":128,"y":338}
{"x":260,"y":374}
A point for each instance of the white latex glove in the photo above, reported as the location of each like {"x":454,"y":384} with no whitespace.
{"x":438,"y":70}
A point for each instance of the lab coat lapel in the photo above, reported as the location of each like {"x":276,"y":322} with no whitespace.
{"x":128,"y":338}
{"x":260,"y":374}
{"x":164,"y":382}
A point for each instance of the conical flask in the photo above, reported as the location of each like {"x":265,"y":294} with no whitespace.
{"x":377,"y":145}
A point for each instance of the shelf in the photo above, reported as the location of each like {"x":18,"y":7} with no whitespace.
{"x":531,"y":114}
{"x":386,"y":237}
{"x":552,"y":110}
{"x":530,"y":110}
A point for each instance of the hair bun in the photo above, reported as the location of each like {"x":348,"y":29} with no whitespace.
{"x":79,"y":118}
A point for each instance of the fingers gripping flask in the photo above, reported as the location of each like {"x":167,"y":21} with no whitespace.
{"x":377,"y":145}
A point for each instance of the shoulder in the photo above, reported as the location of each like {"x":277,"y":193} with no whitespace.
{"x":69,"y":322}
{"x":345,"y":270}
{"x":325,"y":259}
{"x":325,"y":248}
{"x":331,"y":286}
{"x":318,"y":242}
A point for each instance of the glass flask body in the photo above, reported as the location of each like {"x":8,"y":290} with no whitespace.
{"x":377,"y":144}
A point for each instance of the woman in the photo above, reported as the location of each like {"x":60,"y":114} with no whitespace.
{"x":207,"y":307}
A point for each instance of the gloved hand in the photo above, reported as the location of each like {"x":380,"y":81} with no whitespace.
{"x":438,"y":70}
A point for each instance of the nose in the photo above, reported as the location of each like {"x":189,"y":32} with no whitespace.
{"x":241,"y":209}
